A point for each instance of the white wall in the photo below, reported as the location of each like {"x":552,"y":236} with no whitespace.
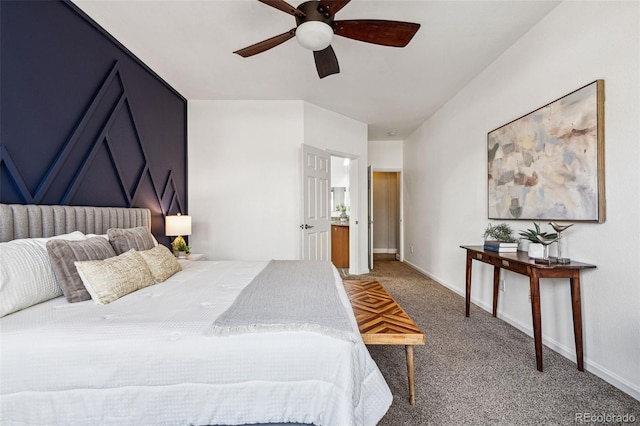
{"x":339,"y":172}
{"x":385,"y":155}
{"x":244,"y":178}
{"x":245,"y":193}
{"x":445,"y":165}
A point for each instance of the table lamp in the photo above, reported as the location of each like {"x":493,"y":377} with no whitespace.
{"x":177,"y":226}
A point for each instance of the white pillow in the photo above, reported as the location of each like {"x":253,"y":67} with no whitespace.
{"x":26,"y":274}
{"x":105,"y":236}
{"x":110,"y":279}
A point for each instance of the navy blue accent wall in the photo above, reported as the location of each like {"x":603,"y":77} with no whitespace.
{"x":82,"y":120}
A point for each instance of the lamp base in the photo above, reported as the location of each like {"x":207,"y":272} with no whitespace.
{"x":179,"y":245}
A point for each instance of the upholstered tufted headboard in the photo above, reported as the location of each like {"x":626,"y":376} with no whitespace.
{"x":35,"y":221}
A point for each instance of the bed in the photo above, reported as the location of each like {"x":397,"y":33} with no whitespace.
{"x":155,"y":356}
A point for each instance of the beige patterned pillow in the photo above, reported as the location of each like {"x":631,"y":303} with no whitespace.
{"x":110,"y":279}
{"x":161,"y":262}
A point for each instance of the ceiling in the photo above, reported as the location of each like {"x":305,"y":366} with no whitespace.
{"x":189,"y":43}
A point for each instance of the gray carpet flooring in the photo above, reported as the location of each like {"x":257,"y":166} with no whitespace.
{"x":480,"y":370}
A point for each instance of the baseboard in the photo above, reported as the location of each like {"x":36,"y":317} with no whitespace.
{"x":385,"y":251}
{"x":612,"y":378}
{"x":435,"y":278}
{"x":593,"y":367}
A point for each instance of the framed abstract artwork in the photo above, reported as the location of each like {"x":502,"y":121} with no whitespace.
{"x":549,"y":164}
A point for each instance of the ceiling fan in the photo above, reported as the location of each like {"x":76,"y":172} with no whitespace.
{"x":315,"y":27}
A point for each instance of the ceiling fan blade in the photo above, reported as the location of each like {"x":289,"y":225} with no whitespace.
{"x":326,"y":62}
{"x":330,"y":7}
{"x":283,"y":6}
{"x":386,"y":33}
{"x":260,"y":47}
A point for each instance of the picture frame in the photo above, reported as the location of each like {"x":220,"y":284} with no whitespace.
{"x":549,"y":163}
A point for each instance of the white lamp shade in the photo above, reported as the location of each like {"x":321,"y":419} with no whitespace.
{"x":314,"y":35}
{"x":177,"y":225}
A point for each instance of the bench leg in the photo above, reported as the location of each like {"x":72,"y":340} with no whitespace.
{"x":412,"y":389}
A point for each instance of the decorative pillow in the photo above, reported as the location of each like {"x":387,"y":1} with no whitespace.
{"x":161,"y":262}
{"x":26,"y":274}
{"x":63,"y":254}
{"x":110,"y":279}
{"x":124,"y":240}
{"x":105,"y":236}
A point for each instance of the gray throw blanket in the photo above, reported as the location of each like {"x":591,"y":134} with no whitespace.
{"x":288,"y":295}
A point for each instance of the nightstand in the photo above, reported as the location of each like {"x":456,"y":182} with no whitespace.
{"x":195,"y":257}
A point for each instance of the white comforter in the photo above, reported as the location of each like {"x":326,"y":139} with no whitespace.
{"x":146,"y":359}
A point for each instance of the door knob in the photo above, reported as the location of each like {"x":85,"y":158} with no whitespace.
{"x":305,"y":226}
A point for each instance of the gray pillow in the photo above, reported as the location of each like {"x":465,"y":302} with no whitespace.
{"x":123,"y":240}
{"x":63,"y":254}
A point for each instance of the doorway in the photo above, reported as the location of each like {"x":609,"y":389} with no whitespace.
{"x":340,"y":202}
{"x":386,"y":194}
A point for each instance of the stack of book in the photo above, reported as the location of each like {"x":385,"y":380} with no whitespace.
{"x":500,"y":247}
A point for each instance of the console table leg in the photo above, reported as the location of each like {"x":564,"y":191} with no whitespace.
{"x":576,"y":306}
{"x":496,"y":289}
{"x":537,"y":320}
{"x":468,"y":287}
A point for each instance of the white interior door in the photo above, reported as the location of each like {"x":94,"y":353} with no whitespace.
{"x":316,"y":226}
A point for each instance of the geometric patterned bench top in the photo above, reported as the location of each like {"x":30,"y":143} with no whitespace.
{"x":380,"y":319}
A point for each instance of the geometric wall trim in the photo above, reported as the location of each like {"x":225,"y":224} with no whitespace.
{"x":129,"y":186}
{"x":171,"y":193}
{"x":83,"y":121}
{"x":129,"y":189}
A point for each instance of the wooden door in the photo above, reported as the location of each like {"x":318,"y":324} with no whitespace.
{"x":340,"y":246}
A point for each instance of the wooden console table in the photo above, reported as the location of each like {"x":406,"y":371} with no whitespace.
{"x":521,"y":263}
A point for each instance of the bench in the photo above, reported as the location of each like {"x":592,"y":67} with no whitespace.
{"x":382,"y":321}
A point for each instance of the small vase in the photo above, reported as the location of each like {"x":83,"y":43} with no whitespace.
{"x":536,"y":250}
{"x":562,"y":250}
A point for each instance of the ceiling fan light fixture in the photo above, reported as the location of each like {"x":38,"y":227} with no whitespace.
{"x":314,"y":35}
